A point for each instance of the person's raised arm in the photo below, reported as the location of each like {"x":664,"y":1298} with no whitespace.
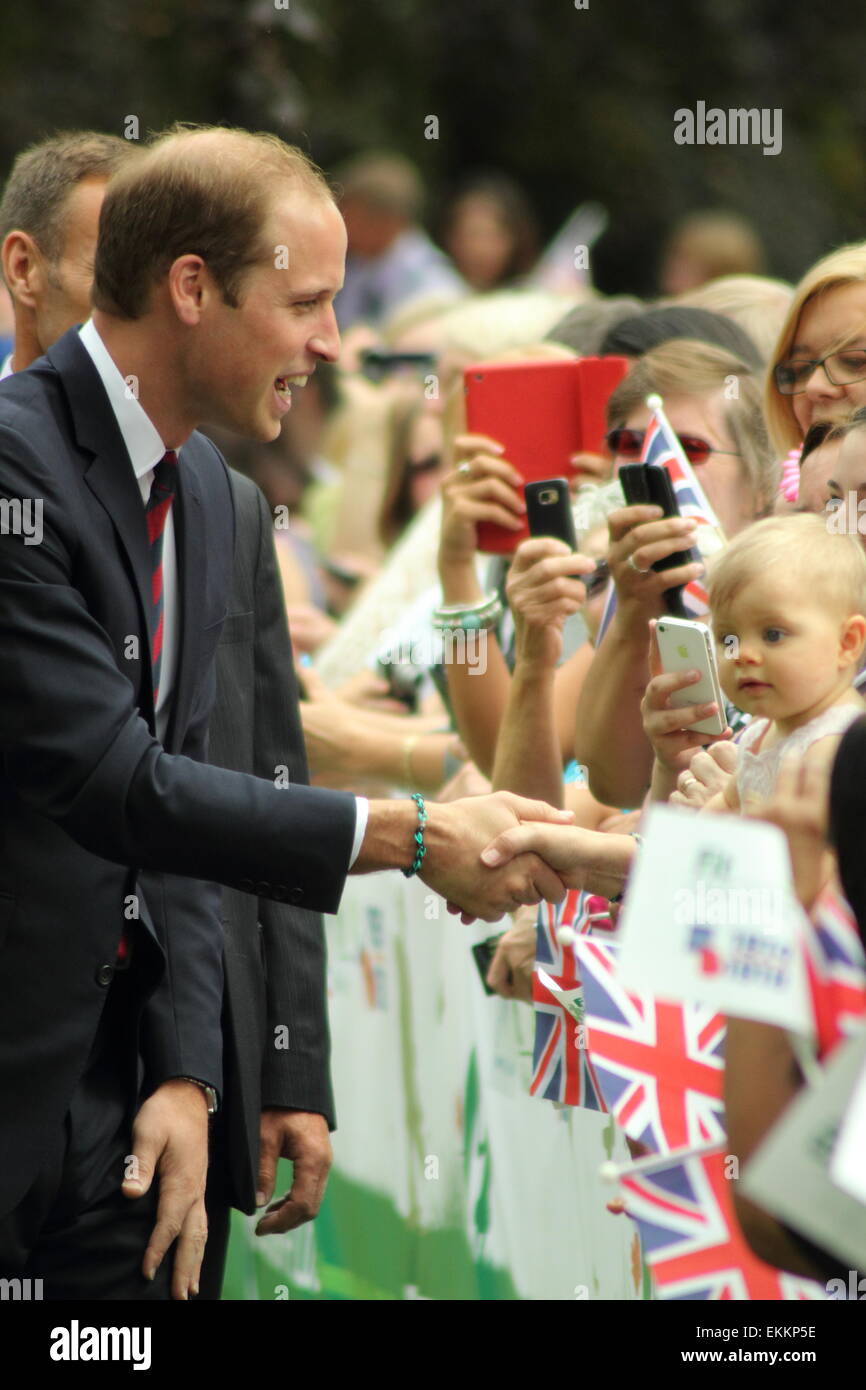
{"x":609,"y":737}
{"x":483,"y":487}
{"x":543,"y":590}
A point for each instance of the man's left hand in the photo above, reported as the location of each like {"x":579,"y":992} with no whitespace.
{"x":303,"y":1137}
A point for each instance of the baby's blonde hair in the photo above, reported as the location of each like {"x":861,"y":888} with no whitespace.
{"x":828,"y":566}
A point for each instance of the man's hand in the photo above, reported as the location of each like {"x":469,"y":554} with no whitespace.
{"x":169,"y":1137}
{"x":456,"y":835}
{"x":302,"y":1137}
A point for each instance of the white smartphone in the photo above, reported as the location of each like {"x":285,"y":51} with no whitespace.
{"x":685,"y":645}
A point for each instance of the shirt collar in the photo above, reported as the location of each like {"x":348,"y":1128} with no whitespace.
{"x":142,"y":440}
{"x":6,"y":369}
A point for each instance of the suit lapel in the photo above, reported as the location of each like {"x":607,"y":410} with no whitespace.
{"x":109,"y":476}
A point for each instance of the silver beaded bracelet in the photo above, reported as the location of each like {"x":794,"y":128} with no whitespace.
{"x":483,"y":615}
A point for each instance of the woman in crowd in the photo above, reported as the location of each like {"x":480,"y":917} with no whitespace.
{"x":490,"y":232}
{"x":818,"y":370}
{"x":713,"y":403}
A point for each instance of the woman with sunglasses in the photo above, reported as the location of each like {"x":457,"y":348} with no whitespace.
{"x":713,"y":402}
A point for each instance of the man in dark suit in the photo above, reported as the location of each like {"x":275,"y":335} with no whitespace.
{"x":277,"y":1098}
{"x":93,"y":671}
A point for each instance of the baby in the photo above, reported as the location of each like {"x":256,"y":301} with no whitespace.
{"x":788,"y":600}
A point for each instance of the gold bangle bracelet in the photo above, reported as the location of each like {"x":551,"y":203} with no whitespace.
{"x":408,"y":745}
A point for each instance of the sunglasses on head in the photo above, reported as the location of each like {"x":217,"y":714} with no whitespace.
{"x":628,"y":444}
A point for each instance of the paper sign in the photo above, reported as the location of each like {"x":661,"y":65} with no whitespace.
{"x":790,"y":1175}
{"x":710,"y":917}
{"x":848,"y":1165}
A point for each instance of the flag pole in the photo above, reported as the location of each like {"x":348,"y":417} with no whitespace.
{"x":615,"y":1172}
{"x":655,"y":404}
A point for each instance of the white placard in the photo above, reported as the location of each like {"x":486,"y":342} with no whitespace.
{"x":789,"y":1175}
{"x":710,"y":917}
{"x":848,"y":1164}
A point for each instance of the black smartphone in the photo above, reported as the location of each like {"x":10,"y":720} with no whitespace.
{"x":549,"y":513}
{"x":548,"y":510}
{"x":484,"y":953}
{"x":377,"y":363}
{"x":648,"y":484}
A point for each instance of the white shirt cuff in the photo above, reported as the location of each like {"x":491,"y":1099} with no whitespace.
{"x":362,"y":813}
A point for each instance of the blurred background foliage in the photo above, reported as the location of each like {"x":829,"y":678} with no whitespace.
{"x":574,"y":103}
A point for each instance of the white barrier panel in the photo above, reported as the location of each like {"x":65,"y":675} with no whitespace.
{"x":449,"y":1181}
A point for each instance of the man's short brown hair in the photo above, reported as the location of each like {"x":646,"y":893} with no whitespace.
{"x":44,"y":175}
{"x":201,"y":190}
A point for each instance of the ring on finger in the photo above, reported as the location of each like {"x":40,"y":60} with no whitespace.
{"x":636,"y":567}
{"x":687,"y":780}
{"x":465,"y":469}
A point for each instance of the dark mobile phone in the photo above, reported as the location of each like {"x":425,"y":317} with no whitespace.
{"x":548,"y":513}
{"x":649,"y":483}
{"x":548,"y":510}
{"x":377,"y":363}
{"x":597,"y":580}
{"x":484,"y":953}
{"x":404,"y":679}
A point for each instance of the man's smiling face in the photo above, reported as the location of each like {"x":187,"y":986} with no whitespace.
{"x":243,"y":362}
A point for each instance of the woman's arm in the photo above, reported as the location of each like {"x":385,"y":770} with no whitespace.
{"x":488,"y":491}
{"x":543,"y":590}
{"x":609,"y":736}
{"x":761,"y":1078}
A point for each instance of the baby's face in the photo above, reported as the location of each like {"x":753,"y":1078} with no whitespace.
{"x":779,"y":650}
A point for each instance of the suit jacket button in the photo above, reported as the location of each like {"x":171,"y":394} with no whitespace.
{"x":295,"y":895}
{"x":104,"y":975}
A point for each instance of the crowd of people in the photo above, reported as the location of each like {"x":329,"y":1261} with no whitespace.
{"x":152,"y":606}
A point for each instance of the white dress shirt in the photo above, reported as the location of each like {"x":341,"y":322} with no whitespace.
{"x":145,"y":449}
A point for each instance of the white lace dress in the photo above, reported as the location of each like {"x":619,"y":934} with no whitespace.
{"x":757,"y":772}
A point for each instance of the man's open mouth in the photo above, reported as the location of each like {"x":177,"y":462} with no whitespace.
{"x":283,"y":385}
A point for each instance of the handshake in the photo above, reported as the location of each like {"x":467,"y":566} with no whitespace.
{"x":489,"y":855}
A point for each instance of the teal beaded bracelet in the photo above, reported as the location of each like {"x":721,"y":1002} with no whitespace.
{"x":420,"y":847}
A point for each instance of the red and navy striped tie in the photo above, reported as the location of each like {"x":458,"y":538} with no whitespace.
{"x":162,"y":492}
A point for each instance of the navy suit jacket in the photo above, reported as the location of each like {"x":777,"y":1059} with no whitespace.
{"x":89,"y":798}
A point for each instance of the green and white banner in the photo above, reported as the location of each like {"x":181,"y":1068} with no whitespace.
{"x":449,"y":1181}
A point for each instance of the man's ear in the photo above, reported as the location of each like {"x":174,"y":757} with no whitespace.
{"x":189,"y":288}
{"x":23,"y":268}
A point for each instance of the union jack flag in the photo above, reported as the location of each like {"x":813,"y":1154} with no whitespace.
{"x":690,"y":1236}
{"x":662,"y":449}
{"x":835,"y":968}
{"x":561,"y":1068}
{"x":659,"y":1066}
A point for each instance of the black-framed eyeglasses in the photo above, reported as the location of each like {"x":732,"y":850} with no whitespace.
{"x":840,"y":369}
{"x":629,"y":445}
